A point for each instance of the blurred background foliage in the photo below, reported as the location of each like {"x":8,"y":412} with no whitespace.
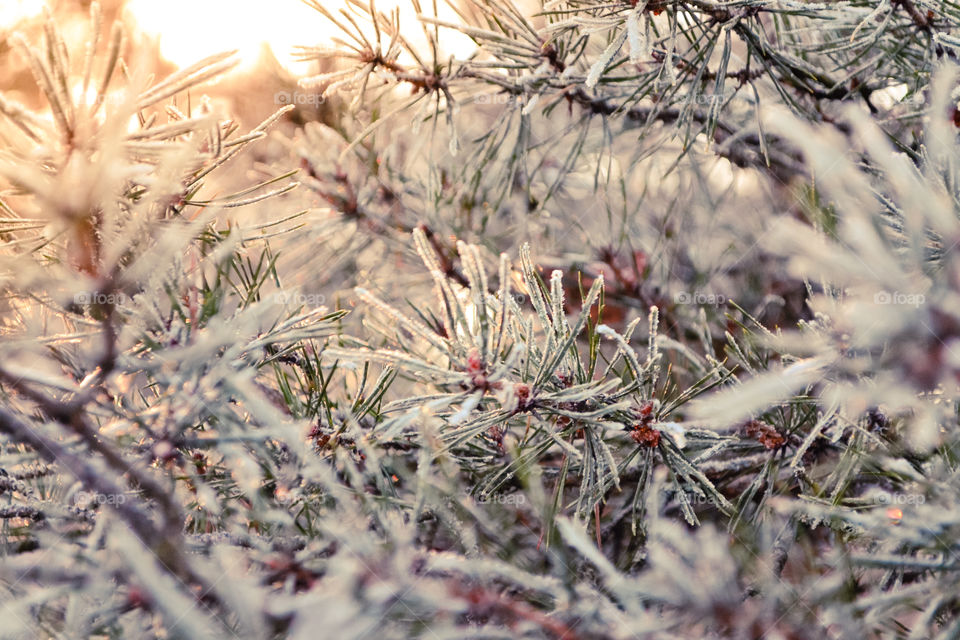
{"x":489,"y":319}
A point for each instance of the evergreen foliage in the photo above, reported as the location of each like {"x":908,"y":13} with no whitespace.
{"x":640,"y":321}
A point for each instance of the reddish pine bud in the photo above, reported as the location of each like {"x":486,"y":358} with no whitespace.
{"x":474,"y":362}
{"x":136,"y":598}
{"x":764,"y":433}
{"x":522,"y":391}
{"x":646,"y":436}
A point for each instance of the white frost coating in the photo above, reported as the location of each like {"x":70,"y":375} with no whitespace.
{"x":677,"y":430}
{"x":668,"y":62}
{"x":727,"y":408}
{"x":604,"y":60}
{"x":468,"y":406}
{"x":531,"y":103}
{"x":634,"y":37}
{"x":190,"y":620}
{"x":604,"y":330}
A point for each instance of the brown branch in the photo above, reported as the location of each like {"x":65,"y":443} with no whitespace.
{"x":70,"y":415}
{"x":923,"y":22}
{"x":165,"y":546}
{"x":28,"y":513}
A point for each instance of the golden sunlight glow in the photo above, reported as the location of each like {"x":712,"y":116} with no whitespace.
{"x":13,"y":11}
{"x":189,"y":30}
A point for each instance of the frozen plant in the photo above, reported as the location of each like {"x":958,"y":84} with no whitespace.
{"x":643,"y":326}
